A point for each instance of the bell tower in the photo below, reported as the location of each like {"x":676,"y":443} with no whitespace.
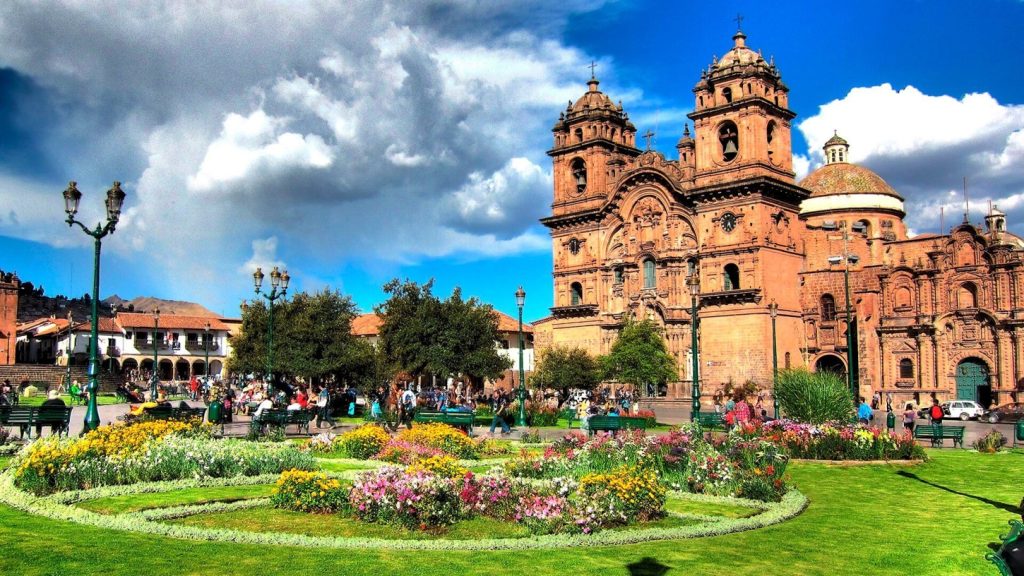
{"x":741,"y":118}
{"x":592,"y":138}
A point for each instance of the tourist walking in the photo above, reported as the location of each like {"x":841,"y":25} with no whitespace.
{"x":407,"y":407}
{"x":499,"y":404}
{"x":908,"y":419}
{"x":935,"y":412}
{"x":323,"y":404}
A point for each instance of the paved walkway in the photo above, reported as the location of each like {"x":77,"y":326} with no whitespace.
{"x":669,"y":414}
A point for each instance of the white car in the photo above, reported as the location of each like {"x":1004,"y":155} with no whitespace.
{"x":963,"y":409}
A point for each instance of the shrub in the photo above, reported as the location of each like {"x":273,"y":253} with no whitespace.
{"x":531,"y":436}
{"x":363,"y":442}
{"x":444,"y":466}
{"x":446,"y":438}
{"x":813,"y":397}
{"x":419,"y":500}
{"x":401,"y":452}
{"x":540,"y":414}
{"x":309,"y":492}
{"x":710,"y":473}
{"x":649,"y":416}
{"x":990,"y":443}
{"x":635,"y":491}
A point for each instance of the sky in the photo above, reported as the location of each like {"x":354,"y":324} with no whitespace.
{"x":355,"y":142}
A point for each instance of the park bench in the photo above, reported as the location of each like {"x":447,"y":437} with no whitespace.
{"x":458,"y":419}
{"x":172,"y":413}
{"x":939,"y":432}
{"x":604,"y":424}
{"x":27,"y":417}
{"x":633,"y":423}
{"x":569,"y":414}
{"x":711,"y":420}
{"x":284,"y":418}
{"x":1009,"y":558}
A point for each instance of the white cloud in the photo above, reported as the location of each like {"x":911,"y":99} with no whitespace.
{"x":502,"y":200}
{"x":264,"y":255}
{"x":924,"y":145}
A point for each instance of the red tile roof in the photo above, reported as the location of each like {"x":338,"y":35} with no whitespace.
{"x":133,"y":320}
{"x":107,"y":326}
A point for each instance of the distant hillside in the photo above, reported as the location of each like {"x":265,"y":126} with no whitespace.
{"x":149,"y":304}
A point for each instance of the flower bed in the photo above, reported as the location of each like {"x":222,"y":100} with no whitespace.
{"x":834,"y":441}
{"x":309,"y":492}
{"x":143,"y":452}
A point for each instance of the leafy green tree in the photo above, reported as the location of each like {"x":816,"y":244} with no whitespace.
{"x":639,"y":356}
{"x":562,"y":369}
{"x":312,"y":338}
{"x":454,"y":337}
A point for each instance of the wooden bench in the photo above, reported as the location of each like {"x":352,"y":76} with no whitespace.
{"x":711,"y":420}
{"x":1009,"y":558}
{"x":939,"y":432}
{"x":458,"y":419}
{"x":284,"y":418}
{"x":27,"y":417}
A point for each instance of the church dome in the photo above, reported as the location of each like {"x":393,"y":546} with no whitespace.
{"x":593,"y":100}
{"x":740,"y":54}
{"x":842,"y":178}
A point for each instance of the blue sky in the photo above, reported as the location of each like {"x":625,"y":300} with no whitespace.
{"x":357,"y":143}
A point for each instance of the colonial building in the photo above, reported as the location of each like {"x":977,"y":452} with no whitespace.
{"x":632,"y":229}
{"x":9,"y":284}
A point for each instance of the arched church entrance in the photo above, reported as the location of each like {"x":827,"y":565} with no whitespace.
{"x":973,"y":382}
{"x":830,"y":363}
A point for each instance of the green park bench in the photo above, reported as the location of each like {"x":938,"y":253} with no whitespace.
{"x":463,"y":420}
{"x":604,"y":424}
{"x":1009,"y":558}
{"x":284,"y":418}
{"x":569,"y":414}
{"x":711,"y":420}
{"x":173,"y":413}
{"x":939,"y":432}
{"x":632,"y":423}
{"x":27,"y":417}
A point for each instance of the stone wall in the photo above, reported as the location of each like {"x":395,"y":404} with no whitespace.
{"x":51,"y":376}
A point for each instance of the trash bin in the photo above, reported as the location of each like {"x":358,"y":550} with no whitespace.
{"x":890,"y":421}
{"x":1018,"y":436}
{"x":214,"y":414}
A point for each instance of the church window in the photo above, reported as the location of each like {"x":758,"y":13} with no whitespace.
{"x":770,"y":136}
{"x":833,"y":155}
{"x":618,"y":275}
{"x":902,"y":298}
{"x":579,"y":174}
{"x":574,"y":246}
{"x":732,"y":277}
{"x":788,"y":363}
{"x":649,"y":280}
{"x":841,"y":156}
{"x":967,"y":296}
{"x":576,"y":291}
{"x":728,"y":136}
{"x":727,"y":94}
{"x":579,"y":134}
{"x":691,"y":267}
{"x":828,"y":308}
{"x":702,"y":101}
{"x":906,"y":368}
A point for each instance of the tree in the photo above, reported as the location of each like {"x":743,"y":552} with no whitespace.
{"x":814,"y":397}
{"x":455,"y":337}
{"x":562,"y":369}
{"x":312,"y":338}
{"x":639,"y":356}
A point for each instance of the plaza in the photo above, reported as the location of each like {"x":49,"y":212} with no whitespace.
{"x":516,"y":288}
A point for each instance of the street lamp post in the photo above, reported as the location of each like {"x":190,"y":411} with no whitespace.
{"x":694,"y":282}
{"x":67,"y":380}
{"x":278,"y":280}
{"x":773,"y":309}
{"x":521,"y":416}
{"x":115,"y":199}
{"x":154,"y":382}
{"x":206,"y":340}
{"x":852,"y":368}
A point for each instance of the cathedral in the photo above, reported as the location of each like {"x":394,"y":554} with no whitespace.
{"x":726,"y":227}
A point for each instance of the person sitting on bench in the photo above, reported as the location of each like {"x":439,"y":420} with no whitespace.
{"x":52,"y":400}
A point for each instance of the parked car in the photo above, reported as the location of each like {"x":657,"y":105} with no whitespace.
{"x":962,"y":409}
{"x":1012,"y":412}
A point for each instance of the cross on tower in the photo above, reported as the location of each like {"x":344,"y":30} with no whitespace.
{"x":648,"y":136}
{"x":739,"y":21}
{"x":592,"y":66}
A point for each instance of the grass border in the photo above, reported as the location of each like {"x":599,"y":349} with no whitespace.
{"x":56,"y":507}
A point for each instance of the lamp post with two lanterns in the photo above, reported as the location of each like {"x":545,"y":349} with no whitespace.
{"x":278,"y":280}
{"x":694,"y":282}
{"x":114,"y":202}
{"x":521,"y":416}
{"x":851,"y":320}
{"x":154,"y":382}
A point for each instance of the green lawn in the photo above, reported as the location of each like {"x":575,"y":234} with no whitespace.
{"x":934,"y":518}
{"x":135,"y":502}
{"x":102,"y":400}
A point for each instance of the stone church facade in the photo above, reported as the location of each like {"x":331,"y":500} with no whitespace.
{"x":630,"y":229}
